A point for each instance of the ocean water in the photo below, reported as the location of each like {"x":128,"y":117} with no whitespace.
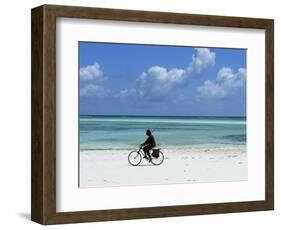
{"x":127,"y":132}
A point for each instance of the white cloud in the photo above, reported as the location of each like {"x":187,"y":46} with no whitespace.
{"x":211,"y":89}
{"x":225,"y":84}
{"x":203,"y":59}
{"x":126,"y":93}
{"x":93,"y":90}
{"x":157,"y":81}
{"x":92,"y":72}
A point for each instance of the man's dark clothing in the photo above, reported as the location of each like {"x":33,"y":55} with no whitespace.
{"x":149,"y":144}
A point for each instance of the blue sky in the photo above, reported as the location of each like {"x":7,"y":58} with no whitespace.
{"x":129,"y":79}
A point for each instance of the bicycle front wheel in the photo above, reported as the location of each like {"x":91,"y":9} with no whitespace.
{"x":134,"y":158}
{"x":158,"y":160}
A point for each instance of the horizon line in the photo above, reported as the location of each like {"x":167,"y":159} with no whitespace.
{"x":120,"y":115}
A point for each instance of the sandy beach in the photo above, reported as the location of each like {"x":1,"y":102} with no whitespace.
{"x":107,"y":168}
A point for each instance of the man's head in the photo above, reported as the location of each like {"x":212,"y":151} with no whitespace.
{"x":148,"y":132}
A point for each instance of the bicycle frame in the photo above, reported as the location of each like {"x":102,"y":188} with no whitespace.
{"x":141,"y":151}
{"x":143,"y":154}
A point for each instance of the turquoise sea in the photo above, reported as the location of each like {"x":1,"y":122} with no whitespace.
{"x":127,"y":132}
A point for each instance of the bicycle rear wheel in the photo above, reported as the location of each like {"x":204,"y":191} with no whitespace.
{"x":158,"y":160}
{"x":134,"y":158}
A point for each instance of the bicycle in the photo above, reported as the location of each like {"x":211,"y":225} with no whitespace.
{"x":135,"y":157}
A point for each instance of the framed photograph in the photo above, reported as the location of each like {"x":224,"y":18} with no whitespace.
{"x":141,"y":114}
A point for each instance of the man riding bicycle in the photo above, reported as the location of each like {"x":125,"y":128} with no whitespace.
{"x":148,"y":144}
{"x":157,"y":157}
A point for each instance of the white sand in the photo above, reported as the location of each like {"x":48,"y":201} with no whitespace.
{"x":192,"y":165}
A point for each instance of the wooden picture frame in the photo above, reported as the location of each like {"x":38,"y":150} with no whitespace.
{"x":43,"y":160}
